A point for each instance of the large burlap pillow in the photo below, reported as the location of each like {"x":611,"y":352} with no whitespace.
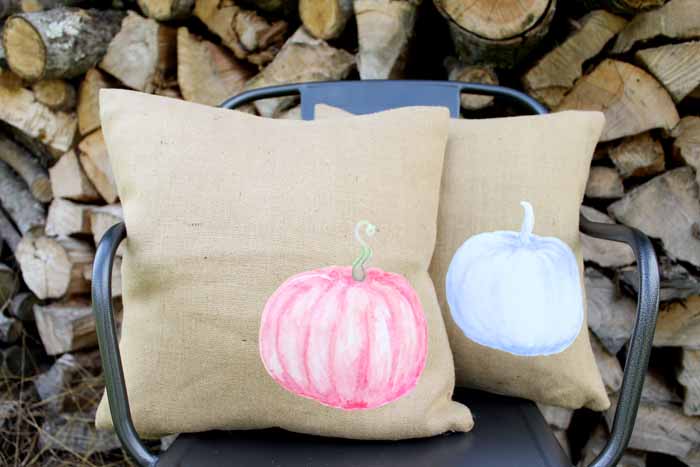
{"x":492,"y":165}
{"x":221,"y":207}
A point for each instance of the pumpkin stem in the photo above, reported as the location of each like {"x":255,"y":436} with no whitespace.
{"x":358,"y":266}
{"x":528,"y":222}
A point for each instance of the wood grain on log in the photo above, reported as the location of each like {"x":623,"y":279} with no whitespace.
{"x":554,"y":75}
{"x":66,"y":326}
{"x":325,"y":19}
{"x":611,"y":315}
{"x":384,"y":30}
{"x":56,"y":94}
{"x":205,"y":71}
{"x":68,"y":218}
{"x":676,"y":66}
{"x":604,"y":183}
{"x":26,"y":212}
{"x":501,"y":34}
{"x":95,"y":162}
{"x":166,"y":10}
{"x":665,"y":207}
{"x":89,"y":99}
{"x":471,"y":74}
{"x":69,"y":181}
{"x":53,"y":267}
{"x":28,"y":168}
{"x":678,"y":19}
{"x":58,"y":43}
{"x":638,"y":156}
{"x":604,"y":252}
{"x":686,"y":145}
{"x":679,"y":324}
{"x":689,"y":377}
{"x":142,"y":54}
{"x":632,"y":100}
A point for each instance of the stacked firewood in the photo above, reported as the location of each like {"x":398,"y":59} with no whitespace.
{"x":637,"y":60}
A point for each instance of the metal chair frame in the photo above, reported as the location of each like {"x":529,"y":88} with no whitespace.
{"x":366,"y":97}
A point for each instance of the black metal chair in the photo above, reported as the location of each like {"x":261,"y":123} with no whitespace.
{"x":508,"y":431}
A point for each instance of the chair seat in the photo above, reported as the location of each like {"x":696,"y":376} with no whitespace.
{"x":508,"y":432}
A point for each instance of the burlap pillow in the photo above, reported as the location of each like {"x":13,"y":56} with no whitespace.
{"x":492,"y":165}
{"x":221,"y":207}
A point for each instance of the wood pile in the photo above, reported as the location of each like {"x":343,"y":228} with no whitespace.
{"x":638,"y":61}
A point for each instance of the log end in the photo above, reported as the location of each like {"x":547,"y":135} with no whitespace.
{"x":324,"y":19}
{"x":24,"y":48}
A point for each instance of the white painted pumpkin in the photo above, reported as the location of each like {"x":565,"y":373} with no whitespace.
{"x":516,"y":291}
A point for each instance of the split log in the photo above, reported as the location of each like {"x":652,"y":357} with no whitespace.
{"x":247,"y":34}
{"x":116,"y":276}
{"x":8,"y":232}
{"x":554,"y":75}
{"x":68,"y":218}
{"x":28,"y":168}
{"x":325,"y":19}
{"x":205,"y":72}
{"x":8,"y":285}
{"x":102,"y":218}
{"x":686,"y":145}
{"x":21,"y":110}
{"x":66,"y":326}
{"x":142,"y":54}
{"x":166,"y":10}
{"x":22,"y":306}
{"x":638,"y":156}
{"x":10,"y":329}
{"x":53,"y":385}
{"x":611,"y":315}
{"x":677,"y":19}
{"x":26,"y":212}
{"x":53,"y":267}
{"x":597,"y":442}
{"x":689,"y":377}
{"x":658,"y":390}
{"x":604,"y":183}
{"x":301,"y":59}
{"x":69,"y":181}
{"x":679,"y":324}
{"x":76,"y":433}
{"x":676,"y":282}
{"x":89,"y":100}
{"x":58,"y":43}
{"x":609,"y":366}
{"x":604,"y":252}
{"x":501,"y":34}
{"x":556,"y":417}
{"x":647,"y":209}
{"x":95,"y":162}
{"x":56,"y":94}
{"x":632,"y":100}
{"x":676,"y":66}
{"x":384,"y":30}
{"x":471,"y":74}
{"x":626,"y":7}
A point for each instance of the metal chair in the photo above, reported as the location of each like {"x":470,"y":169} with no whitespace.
{"x":508,"y":431}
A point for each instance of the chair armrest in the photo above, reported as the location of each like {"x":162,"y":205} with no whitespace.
{"x":642,"y":339}
{"x":109,"y":347}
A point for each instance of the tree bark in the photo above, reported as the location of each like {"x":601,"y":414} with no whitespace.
{"x":28,"y":167}
{"x":26,"y":212}
{"x":8,"y":231}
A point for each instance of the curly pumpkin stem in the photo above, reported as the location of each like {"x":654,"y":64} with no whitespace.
{"x":528,"y":222}
{"x":358,"y":266}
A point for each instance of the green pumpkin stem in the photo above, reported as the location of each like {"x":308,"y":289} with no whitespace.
{"x":358,"y":266}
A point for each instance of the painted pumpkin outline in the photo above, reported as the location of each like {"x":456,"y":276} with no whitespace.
{"x":516,"y":291}
{"x":345,"y":337}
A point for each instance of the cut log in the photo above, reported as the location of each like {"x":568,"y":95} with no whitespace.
{"x":676,"y":282}
{"x":53,"y":385}
{"x":69,"y":181}
{"x":677,"y":19}
{"x":9,"y":284}
{"x":247,"y":34}
{"x":66,"y":326}
{"x":95,"y":162}
{"x":302,"y":59}
{"x":142,"y":55}
{"x":21,"y":110}
{"x":325,"y":19}
{"x":604,"y":252}
{"x":384,"y":30}
{"x":22,"y":306}
{"x":676,"y":66}
{"x":689,"y":377}
{"x":666,"y":207}
{"x":611,"y":315}
{"x":68,"y":218}
{"x":89,"y":100}
{"x":58,"y":43}
{"x":27,"y":167}
{"x":597,"y":442}
{"x":76,"y":433}
{"x":501,"y":34}
{"x":686,"y":145}
{"x":638,"y":156}
{"x":679,"y":324}
{"x":471,"y":74}
{"x":554,"y":75}
{"x":557,"y":417}
{"x":632,"y":100}
{"x":166,"y":10}
{"x":56,"y":94}
{"x":604,"y":183}
{"x":26,"y":212}
{"x":53,"y":268}
{"x":10,"y":7}
{"x":8,"y":232}
{"x":658,"y":390}
{"x":609,"y":366}
{"x":205,"y":72}
{"x":662,"y":428}
{"x":627,"y":7}
{"x":116,"y":276}
{"x":102,"y":218}
{"x":10,"y":329}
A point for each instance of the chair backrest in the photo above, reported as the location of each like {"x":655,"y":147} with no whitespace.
{"x":362,"y":97}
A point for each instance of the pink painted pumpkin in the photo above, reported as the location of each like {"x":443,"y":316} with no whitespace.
{"x":346,"y":343}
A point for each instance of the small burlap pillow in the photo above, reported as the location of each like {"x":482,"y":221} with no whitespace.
{"x":222,"y":207}
{"x":492,"y":165}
